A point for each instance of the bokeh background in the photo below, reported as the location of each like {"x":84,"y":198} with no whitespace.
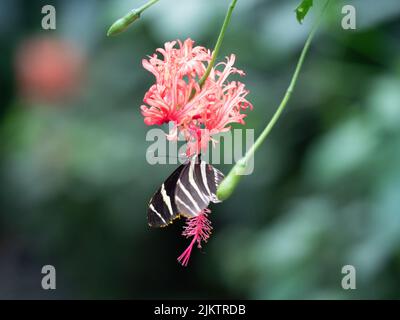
{"x":75,"y":182}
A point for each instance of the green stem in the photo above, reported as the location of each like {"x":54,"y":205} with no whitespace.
{"x":146,"y":5}
{"x":121,"y":24}
{"x":219,"y":42}
{"x":232,"y":179}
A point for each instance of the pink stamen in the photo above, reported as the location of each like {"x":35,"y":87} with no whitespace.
{"x":183,"y":259}
{"x":200,"y":229}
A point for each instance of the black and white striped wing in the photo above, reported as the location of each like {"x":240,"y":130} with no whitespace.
{"x":162,"y":208}
{"x":196,"y":187}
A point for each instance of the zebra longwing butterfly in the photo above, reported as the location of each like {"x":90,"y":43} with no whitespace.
{"x":187,"y":191}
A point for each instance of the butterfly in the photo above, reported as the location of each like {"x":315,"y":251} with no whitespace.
{"x":187,"y":192}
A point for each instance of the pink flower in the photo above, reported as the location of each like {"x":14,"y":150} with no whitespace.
{"x":176,"y":77}
{"x":200,"y":229}
{"x":197,"y":113}
{"x":49,"y":70}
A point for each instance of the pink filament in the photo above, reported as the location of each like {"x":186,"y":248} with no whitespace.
{"x":200,"y":229}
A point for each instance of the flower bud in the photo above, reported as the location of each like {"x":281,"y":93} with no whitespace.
{"x":121,"y":24}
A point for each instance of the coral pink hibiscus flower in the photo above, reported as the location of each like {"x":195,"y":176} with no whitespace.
{"x":197,"y":113}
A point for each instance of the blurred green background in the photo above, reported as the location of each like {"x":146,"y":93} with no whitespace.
{"x":75,"y":182}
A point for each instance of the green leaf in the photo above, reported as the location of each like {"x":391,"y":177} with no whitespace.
{"x":302,"y":9}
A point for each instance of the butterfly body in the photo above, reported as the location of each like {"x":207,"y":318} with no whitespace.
{"x":187,"y":192}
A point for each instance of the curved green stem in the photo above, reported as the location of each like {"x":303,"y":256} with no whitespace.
{"x":121,"y":24}
{"x":228,"y":185}
{"x":219,"y":42}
